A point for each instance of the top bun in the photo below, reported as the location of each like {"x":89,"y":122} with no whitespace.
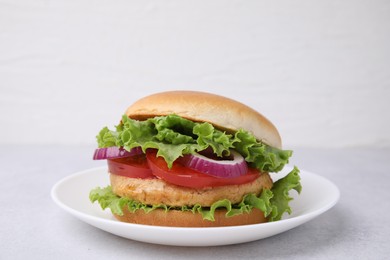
{"x":224,"y":113}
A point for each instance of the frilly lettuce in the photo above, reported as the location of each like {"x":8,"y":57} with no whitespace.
{"x":175,"y":136}
{"x":281,"y":198}
{"x":274,"y":202}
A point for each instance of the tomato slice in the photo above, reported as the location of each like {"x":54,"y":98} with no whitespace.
{"x":183,"y":176}
{"x":134,"y":167}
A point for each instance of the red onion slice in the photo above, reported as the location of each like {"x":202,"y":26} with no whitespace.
{"x":217,"y":168}
{"x":115,"y":152}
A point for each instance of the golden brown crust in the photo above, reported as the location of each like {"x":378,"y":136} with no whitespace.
{"x":157,"y":191}
{"x":222,"y":112}
{"x":176,"y":218}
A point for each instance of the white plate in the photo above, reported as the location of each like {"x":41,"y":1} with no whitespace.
{"x":317,"y":196}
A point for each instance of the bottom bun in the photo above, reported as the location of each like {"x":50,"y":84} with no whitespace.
{"x":176,"y":218}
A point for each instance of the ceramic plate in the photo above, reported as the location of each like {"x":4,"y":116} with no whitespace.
{"x":71,"y":194}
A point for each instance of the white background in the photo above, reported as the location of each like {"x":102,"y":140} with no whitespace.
{"x":320,"y":70}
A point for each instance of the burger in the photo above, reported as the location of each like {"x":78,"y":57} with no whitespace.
{"x":194,"y":159}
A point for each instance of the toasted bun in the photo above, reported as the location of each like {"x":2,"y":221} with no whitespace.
{"x":176,"y":218}
{"x":222,"y":112}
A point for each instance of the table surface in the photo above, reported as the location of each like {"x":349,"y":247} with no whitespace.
{"x":33,"y":226}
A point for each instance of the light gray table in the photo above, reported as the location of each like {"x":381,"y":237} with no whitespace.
{"x":33,"y":227}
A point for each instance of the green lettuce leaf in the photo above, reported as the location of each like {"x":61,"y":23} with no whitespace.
{"x":107,"y":199}
{"x":175,"y":136}
{"x":281,"y":188}
{"x":274,"y":203}
{"x":259,"y":155}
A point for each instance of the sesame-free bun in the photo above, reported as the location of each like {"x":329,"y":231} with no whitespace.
{"x":177,"y":218}
{"x":224,"y":113}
